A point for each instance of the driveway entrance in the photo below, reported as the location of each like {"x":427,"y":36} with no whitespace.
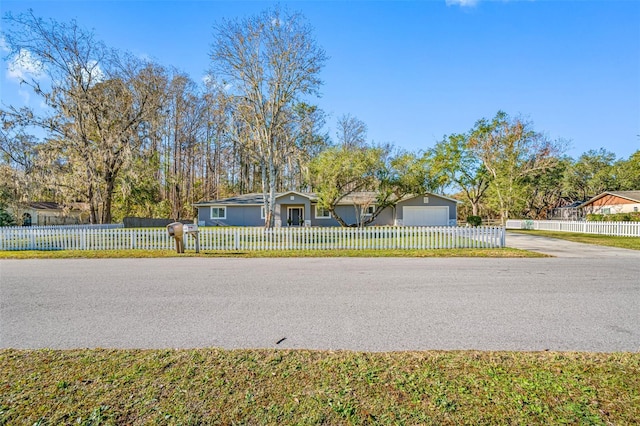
{"x":563,"y":248}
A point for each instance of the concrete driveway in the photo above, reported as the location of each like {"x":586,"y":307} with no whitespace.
{"x":562,"y":248}
{"x":373,"y":304}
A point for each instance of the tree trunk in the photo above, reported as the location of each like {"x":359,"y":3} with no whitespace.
{"x":106,"y":208}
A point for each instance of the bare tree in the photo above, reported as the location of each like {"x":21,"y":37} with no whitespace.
{"x":352,"y":132}
{"x":269,"y":61}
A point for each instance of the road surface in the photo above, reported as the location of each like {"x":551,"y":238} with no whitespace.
{"x":372,"y":304}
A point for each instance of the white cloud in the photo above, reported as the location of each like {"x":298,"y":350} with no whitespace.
{"x":24,"y":65}
{"x":462,"y":3}
{"x":210,"y":81}
{"x":93,"y":74}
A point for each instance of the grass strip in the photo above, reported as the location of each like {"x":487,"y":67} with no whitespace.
{"x":212,"y":386}
{"x":632,"y":243}
{"x":97,"y":254}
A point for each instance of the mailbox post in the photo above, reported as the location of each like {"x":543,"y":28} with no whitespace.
{"x":176,"y":230}
{"x":192,"y":229}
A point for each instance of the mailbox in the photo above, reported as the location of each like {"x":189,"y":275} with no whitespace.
{"x":176,"y":230}
{"x":179,"y":232}
{"x":192,"y":229}
{"x":189,"y":228}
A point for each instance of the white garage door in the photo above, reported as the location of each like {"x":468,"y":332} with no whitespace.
{"x":425,"y":216}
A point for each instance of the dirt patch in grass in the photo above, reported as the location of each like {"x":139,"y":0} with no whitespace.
{"x":210,"y":386}
{"x":98,"y":254}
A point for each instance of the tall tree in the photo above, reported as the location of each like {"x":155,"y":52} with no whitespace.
{"x":97,"y":101}
{"x":269,"y":60}
{"x":592,"y":173}
{"x":511,"y":149}
{"x":543,"y":192}
{"x":352,"y":132}
{"x":452,"y":162}
{"x":302,"y":139}
{"x":629,"y":173}
{"x":341,"y":172}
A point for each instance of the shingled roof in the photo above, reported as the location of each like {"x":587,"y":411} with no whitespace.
{"x":257,"y":199}
{"x":633,"y":196}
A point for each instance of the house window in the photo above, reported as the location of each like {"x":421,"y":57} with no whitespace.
{"x":322,"y":213}
{"x":635,"y":209}
{"x":218,"y":212}
{"x":606,"y":210}
{"x":368,"y":211}
{"x":263,"y":213}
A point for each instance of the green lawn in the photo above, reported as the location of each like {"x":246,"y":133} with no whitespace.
{"x":96,"y":254}
{"x":632,"y":243}
{"x":211,"y":386}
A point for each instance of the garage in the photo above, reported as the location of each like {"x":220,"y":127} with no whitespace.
{"x":425,"y":216}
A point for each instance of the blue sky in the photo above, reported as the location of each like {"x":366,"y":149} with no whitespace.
{"x":415,"y":71}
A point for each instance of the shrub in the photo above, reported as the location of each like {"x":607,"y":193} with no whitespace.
{"x":616,"y":217}
{"x":6,"y":219}
{"x":474,"y":220}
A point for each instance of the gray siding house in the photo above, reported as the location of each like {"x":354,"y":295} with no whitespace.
{"x":301,"y":209}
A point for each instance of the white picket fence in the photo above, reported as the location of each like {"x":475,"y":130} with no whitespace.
{"x":247,"y":238}
{"x":82,"y":226}
{"x":621,"y":229}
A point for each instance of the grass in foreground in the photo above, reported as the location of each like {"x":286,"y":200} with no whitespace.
{"x":632,"y":243}
{"x":98,"y":254}
{"x":210,"y":386}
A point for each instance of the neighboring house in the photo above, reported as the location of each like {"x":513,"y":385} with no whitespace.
{"x":43,"y":213}
{"x":569,"y":211}
{"x":301,"y":209}
{"x":612,"y":202}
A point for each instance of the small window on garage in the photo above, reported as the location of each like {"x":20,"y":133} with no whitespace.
{"x":218,"y":212}
{"x":368,"y":211}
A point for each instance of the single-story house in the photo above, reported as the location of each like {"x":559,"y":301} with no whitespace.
{"x":611,"y":202}
{"x":47,"y":213}
{"x":301,"y":209}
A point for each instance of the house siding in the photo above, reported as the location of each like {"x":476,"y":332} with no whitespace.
{"x":613,"y":208}
{"x":236,"y":216}
{"x":249,"y":215}
{"x":293,"y":200}
{"x":348,"y":214}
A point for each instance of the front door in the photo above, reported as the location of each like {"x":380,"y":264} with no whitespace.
{"x":295,"y":216}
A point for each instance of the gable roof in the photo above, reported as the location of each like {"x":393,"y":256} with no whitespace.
{"x":633,"y":196}
{"x":257,"y":199}
{"x":43,"y":205}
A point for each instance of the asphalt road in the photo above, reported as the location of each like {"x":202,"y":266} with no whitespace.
{"x":388,"y":304}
